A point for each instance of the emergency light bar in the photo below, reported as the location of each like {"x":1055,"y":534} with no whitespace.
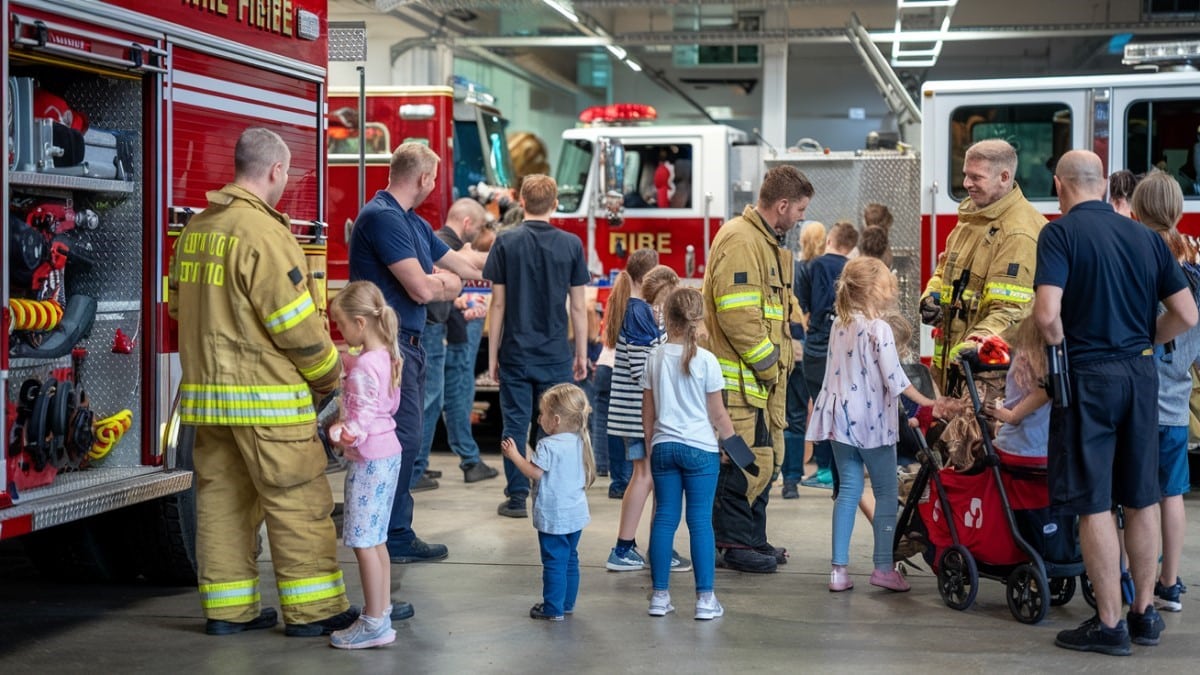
{"x":618,"y":114}
{"x":1147,"y":54}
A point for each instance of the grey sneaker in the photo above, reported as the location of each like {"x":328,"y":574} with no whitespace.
{"x":708,"y":607}
{"x":660,"y":604}
{"x":631,"y":561}
{"x":365,"y":632}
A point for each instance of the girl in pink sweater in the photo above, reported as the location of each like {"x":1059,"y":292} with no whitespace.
{"x":366,"y":433}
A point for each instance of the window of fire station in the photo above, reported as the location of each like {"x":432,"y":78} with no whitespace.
{"x":572,"y":175}
{"x":1165,"y":135}
{"x":1040,"y":132}
{"x":343,"y":134}
{"x":658,"y":176}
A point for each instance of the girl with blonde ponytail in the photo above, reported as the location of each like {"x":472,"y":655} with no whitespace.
{"x":681,"y":405}
{"x":366,"y":434}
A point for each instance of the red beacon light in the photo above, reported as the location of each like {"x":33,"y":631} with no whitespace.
{"x":617,"y":114}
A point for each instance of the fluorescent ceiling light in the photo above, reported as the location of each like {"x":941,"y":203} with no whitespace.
{"x":633,"y":65}
{"x":562,"y":9}
{"x":616,"y":51}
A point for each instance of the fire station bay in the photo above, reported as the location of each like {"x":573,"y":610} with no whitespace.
{"x":649,"y":336}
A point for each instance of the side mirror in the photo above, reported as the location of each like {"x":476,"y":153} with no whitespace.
{"x":610,"y":191}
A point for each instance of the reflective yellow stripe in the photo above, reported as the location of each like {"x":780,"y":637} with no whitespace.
{"x":266,"y":405}
{"x":774,"y":312}
{"x":312,"y":589}
{"x":290,"y":314}
{"x":759,"y":352}
{"x":738,"y":300}
{"x":323,"y":367}
{"x":741,"y":379}
{"x":229,"y":594}
{"x":1007,"y":293}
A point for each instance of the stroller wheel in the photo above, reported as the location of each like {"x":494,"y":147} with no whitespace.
{"x":958,"y":578}
{"x":1089,"y":593}
{"x":1062,"y":589}
{"x":1027,"y":593}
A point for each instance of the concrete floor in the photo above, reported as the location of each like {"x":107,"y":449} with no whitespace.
{"x":472,"y":612}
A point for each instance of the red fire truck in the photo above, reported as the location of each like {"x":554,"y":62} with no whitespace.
{"x":460,"y":123}
{"x":121,"y":115}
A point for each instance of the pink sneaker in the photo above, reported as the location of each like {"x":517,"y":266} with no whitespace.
{"x":839,"y":580}
{"x":891,"y":580}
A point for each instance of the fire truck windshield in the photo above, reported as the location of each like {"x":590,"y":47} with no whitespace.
{"x":481,"y":153}
{"x":573,"y":167}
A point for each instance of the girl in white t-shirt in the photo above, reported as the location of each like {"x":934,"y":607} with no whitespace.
{"x":680,"y":406}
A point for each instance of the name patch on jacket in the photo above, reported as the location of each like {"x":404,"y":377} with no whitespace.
{"x":740,"y":278}
{"x":1014,"y":269}
{"x":296,"y":276}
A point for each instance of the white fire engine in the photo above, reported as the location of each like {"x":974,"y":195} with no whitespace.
{"x":121,"y":115}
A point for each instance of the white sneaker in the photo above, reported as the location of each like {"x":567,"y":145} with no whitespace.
{"x":660,"y":604}
{"x":707,"y":607}
{"x":364,"y":633}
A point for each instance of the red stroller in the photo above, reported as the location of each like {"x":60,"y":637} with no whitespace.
{"x":992,"y":521}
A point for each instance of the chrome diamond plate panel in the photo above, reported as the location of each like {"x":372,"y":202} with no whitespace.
{"x":87,"y":493}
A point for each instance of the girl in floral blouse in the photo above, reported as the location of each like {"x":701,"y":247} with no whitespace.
{"x":856,"y":410}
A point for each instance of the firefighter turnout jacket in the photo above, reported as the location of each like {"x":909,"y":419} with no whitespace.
{"x":252,"y":342}
{"x":747,"y":299}
{"x":998,"y":245}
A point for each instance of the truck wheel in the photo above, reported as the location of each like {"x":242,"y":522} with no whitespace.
{"x":91,"y":550}
{"x":166,"y":528}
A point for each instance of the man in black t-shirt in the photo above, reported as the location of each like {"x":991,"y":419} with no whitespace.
{"x":1099,"y":279}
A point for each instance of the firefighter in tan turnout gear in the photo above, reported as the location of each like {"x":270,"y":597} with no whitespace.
{"x":254,"y":350}
{"x":983,"y":282}
{"x":747,"y":301}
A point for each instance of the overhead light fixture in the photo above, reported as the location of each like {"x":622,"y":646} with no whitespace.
{"x":562,"y":9}
{"x":616,"y":51}
{"x":929,"y":43}
{"x":633,"y":65}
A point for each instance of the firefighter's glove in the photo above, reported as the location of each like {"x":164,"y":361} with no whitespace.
{"x":931,"y":309}
{"x":739,"y":453}
{"x":968,"y":345}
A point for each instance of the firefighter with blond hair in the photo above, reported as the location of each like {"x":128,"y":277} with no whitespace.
{"x":255,"y":354}
{"x":747,"y":300}
{"x":983,"y":282}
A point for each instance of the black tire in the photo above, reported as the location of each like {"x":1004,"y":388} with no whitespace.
{"x":958,"y":577}
{"x":1027,"y":593}
{"x":166,"y":528}
{"x":1089,"y":593}
{"x":1062,"y":589}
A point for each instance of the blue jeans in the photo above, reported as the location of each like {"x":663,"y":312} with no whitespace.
{"x":434,"y":342}
{"x":814,"y":377}
{"x":521,"y":389}
{"x":881,"y":465}
{"x":681,"y":471}
{"x":460,"y":395}
{"x":619,"y":468}
{"x":797,"y":419}
{"x":408,"y":429}
{"x":560,"y":571}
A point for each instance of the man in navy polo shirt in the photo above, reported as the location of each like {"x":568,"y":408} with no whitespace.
{"x":1099,"y":279}
{"x":396,"y":249}
{"x":533,"y":268}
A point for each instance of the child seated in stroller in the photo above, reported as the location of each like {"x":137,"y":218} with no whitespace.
{"x":1025,"y":409}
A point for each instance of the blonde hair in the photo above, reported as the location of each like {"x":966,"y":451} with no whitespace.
{"x":410,"y":160}
{"x":640,"y":262}
{"x":657,"y":283}
{"x":538,"y":194}
{"x":812,"y":241}
{"x":1028,"y":348}
{"x":866,"y":287}
{"x":570,"y":404}
{"x":363,"y":298}
{"x":684,"y":310}
{"x":902,"y":332}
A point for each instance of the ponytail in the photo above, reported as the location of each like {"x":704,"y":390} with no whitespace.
{"x":640,"y":262}
{"x":684,"y":310}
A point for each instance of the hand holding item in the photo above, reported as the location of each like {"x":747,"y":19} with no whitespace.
{"x":339,"y":435}
{"x":740,"y":453}
{"x":947,"y":407}
{"x":931,"y":309}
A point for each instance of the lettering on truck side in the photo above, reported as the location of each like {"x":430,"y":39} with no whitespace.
{"x":631,"y":241}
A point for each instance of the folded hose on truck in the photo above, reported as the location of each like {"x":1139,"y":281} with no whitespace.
{"x":109,"y":432}
{"x":76,"y":323}
{"x":37,"y":315}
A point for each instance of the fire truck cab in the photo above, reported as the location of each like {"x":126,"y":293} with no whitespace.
{"x":1139,"y":122}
